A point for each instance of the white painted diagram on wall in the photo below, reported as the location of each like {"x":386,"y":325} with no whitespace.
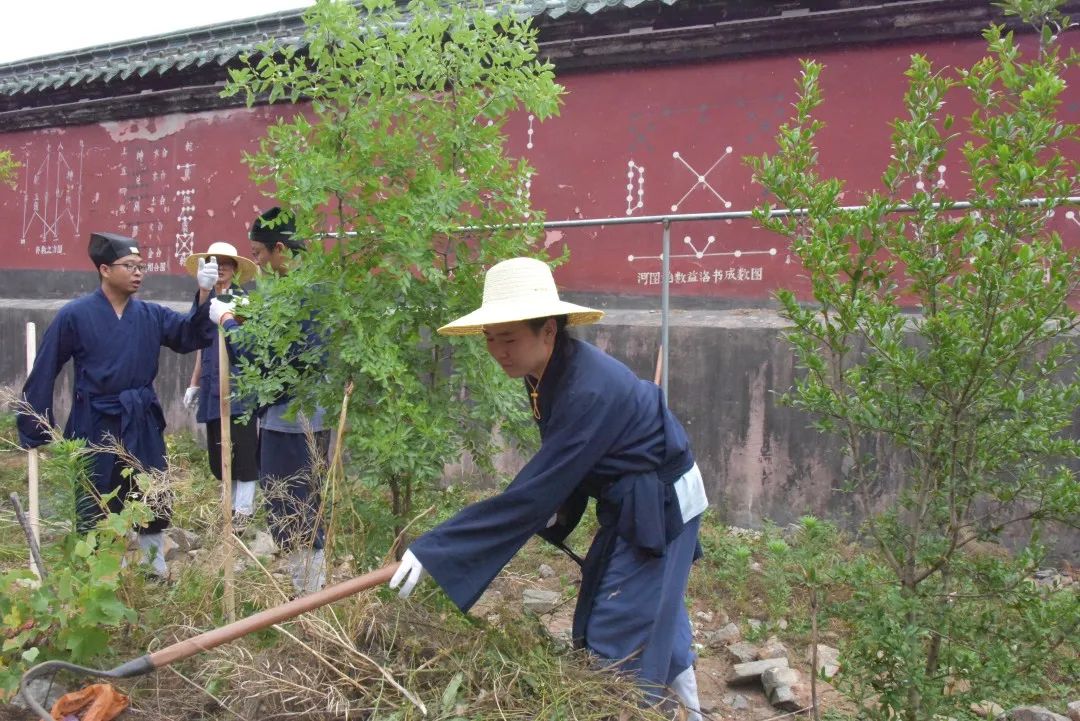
{"x":52,"y":199}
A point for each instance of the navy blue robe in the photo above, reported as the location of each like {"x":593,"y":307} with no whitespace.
{"x":291,"y":490}
{"x":209,"y":382}
{"x":607,"y":434}
{"x":116,"y":361}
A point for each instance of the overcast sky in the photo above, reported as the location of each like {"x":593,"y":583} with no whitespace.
{"x":42,"y":27}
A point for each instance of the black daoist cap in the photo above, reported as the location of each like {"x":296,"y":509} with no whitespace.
{"x":107,"y":248}
{"x":282,"y":232}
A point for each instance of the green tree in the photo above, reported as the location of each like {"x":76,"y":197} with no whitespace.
{"x":398,"y":146}
{"x":8,"y":167}
{"x":966,"y":402}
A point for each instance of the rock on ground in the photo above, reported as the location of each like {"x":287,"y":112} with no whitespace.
{"x":1031,"y":713}
{"x":736,"y":701}
{"x":828,"y":660}
{"x":778,"y":683}
{"x":540,"y":601}
{"x":742,"y":652}
{"x":42,"y":690}
{"x":772,"y":648}
{"x":262,"y":544}
{"x":749,"y":672}
{"x":723,"y":636}
{"x":184,"y":539}
{"x":986,"y":709}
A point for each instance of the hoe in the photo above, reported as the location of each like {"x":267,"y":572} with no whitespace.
{"x":208,"y":640}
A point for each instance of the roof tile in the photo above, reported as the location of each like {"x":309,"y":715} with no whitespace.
{"x":177,"y":51}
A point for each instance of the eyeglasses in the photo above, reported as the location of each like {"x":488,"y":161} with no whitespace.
{"x":132,"y":267}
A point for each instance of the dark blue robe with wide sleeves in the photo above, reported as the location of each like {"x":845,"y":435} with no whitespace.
{"x":209,"y":408}
{"x":604,"y":433}
{"x":116,"y":361}
{"x":292,"y":491}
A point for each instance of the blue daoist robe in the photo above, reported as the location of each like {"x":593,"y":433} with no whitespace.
{"x":604,"y":434}
{"x":116,"y":361}
{"x":209,"y":408}
{"x":290,"y":486}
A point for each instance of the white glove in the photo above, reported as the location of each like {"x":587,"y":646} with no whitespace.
{"x":207,"y":275}
{"x":553,"y":520}
{"x":412,"y":569}
{"x":191,"y":397}
{"x":219,"y":308}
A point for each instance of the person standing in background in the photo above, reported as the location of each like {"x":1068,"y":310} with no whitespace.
{"x":290,"y":442}
{"x":203,"y":392}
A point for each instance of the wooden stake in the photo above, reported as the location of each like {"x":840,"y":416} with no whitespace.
{"x":333,"y":473}
{"x":226,"y":473}
{"x":31,"y":542}
{"x":32,"y":456}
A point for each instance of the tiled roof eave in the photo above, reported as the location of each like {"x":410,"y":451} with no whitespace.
{"x":218,"y":44}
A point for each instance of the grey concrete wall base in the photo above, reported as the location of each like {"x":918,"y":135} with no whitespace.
{"x":761,"y":461}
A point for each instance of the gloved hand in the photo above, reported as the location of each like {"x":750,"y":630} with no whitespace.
{"x":207,"y":275}
{"x":410,"y":571}
{"x":191,"y":397}
{"x":219,"y":308}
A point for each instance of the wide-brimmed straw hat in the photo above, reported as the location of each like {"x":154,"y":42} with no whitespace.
{"x":519,"y":289}
{"x":245,"y":268}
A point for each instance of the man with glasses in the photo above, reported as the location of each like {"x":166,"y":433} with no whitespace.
{"x":114,"y":340}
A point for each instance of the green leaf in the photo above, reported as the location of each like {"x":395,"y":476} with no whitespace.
{"x":450,"y":694}
{"x":84,"y":642}
{"x":83,"y":549}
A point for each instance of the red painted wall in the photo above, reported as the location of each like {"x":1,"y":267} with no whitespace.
{"x":634,"y":142}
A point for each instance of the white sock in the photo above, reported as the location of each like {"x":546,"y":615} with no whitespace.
{"x":308,"y":570}
{"x":153,"y":552}
{"x":685,"y":687}
{"x":243,"y":497}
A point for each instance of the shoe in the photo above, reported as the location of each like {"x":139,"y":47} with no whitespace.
{"x":240,"y":523}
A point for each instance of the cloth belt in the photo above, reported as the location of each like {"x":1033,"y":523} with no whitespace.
{"x":141,"y":422}
{"x":643,"y":510}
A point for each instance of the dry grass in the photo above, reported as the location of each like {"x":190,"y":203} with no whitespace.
{"x":373,"y":659}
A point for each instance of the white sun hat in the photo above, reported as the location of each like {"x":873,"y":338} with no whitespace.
{"x":245,"y":268}
{"x":519,"y":289}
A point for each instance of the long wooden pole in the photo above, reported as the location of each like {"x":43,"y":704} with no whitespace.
{"x":212,"y":639}
{"x":226,"y":473}
{"x":32,"y":457}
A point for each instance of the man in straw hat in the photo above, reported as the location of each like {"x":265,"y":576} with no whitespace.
{"x":287,"y":457}
{"x":604,"y":433}
{"x":114,"y":340}
{"x":203,"y":392}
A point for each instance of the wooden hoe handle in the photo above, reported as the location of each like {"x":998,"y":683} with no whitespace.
{"x":230,"y":632}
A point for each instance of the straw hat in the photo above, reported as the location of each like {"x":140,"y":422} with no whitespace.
{"x":519,"y":289}
{"x":245,"y":268}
